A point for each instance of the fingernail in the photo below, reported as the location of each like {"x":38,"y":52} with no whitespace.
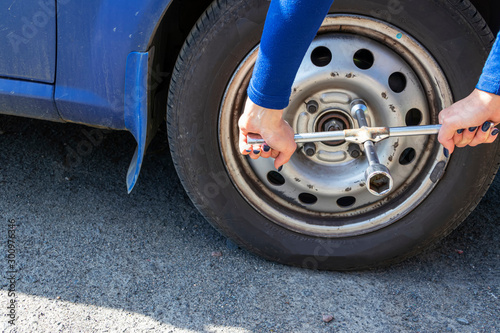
{"x":495,"y":132}
{"x":472,"y":129}
{"x":256,"y":152}
{"x":248,"y":150}
{"x":486,"y":126}
{"x":280,"y":168}
{"x":266,"y":148}
{"x":446,"y":152}
{"x":460,"y":131}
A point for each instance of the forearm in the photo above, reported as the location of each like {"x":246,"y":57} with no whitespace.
{"x":290,"y":27}
{"x":490,"y":78}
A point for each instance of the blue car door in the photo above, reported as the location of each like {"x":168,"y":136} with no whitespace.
{"x":28,"y":58}
{"x":28,"y":39}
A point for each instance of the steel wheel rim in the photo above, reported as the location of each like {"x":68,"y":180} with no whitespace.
{"x":283,"y":205}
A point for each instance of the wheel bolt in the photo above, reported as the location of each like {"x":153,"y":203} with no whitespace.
{"x":310,"y":148}
{"x":312,"y":106}
{"x":354,"y":150}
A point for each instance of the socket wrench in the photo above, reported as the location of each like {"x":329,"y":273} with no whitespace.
{"x":378,"y":178}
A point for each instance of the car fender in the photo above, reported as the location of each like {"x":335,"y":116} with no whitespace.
{"x":95,"y":38}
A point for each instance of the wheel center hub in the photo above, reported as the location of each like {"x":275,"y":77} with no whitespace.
{"x":333,"y":121}
{"x":333,"y":125}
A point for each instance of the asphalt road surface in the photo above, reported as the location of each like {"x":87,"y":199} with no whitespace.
{"x":91,"y":258}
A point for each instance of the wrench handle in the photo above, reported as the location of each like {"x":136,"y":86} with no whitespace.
{"x":308,"y":137}
{"x":341,"y":135}
{"x":414,"y":130}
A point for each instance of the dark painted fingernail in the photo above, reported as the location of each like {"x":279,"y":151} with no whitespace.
{"x":495,"y":132}
{"x":266,"y":148}
{"x":280,"y":168}
{"x":486,"y":126}
{"x":248,"y":150}
{"x":460,"y":131}
{"x":446,"y":152}
{"x":472,"y":129}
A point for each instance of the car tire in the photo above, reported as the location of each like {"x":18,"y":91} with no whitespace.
{"x":452,"y":32}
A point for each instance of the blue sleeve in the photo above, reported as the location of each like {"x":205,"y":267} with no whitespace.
{"x":290,"y":27}
{"x":490,"y":79}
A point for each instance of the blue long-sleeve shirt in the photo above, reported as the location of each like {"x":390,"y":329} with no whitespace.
{"x":490,"y":79}
{"x":290,"y":27}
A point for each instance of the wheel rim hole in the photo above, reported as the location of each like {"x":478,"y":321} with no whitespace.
{"x":275,"y":178}
{"x":407,"y":156}
{"x":413,"y":117}
{"x":363,"y":59}
{"x":308,"y":198}
{"x":397,"y":82}
{"x":345,"y":202}
{"x":321,"y":56}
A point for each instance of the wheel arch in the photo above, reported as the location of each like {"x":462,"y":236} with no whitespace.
{"x":169,"y":34}
{"x":167,"y":39}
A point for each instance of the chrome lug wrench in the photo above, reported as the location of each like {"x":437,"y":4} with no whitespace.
{"x":378,"y":178}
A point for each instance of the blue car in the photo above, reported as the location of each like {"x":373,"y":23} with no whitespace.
{"x":129,"y":65}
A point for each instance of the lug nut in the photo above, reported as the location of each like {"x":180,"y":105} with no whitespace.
{"x":354,"y":150}
{"x":310,"y":148}
{"x":312,"y":106}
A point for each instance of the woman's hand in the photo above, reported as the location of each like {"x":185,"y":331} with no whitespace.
{"x":256,"y":122}
{"x":470,"y":121}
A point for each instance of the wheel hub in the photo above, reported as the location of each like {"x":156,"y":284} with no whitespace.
{"x":334,"y":121}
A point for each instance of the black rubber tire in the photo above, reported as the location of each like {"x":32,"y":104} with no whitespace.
{"x":452,"y":31}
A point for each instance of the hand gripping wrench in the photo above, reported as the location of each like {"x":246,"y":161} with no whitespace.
{"x":378,"y":178}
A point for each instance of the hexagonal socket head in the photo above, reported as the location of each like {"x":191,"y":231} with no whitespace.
{"x":378,"y":180}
